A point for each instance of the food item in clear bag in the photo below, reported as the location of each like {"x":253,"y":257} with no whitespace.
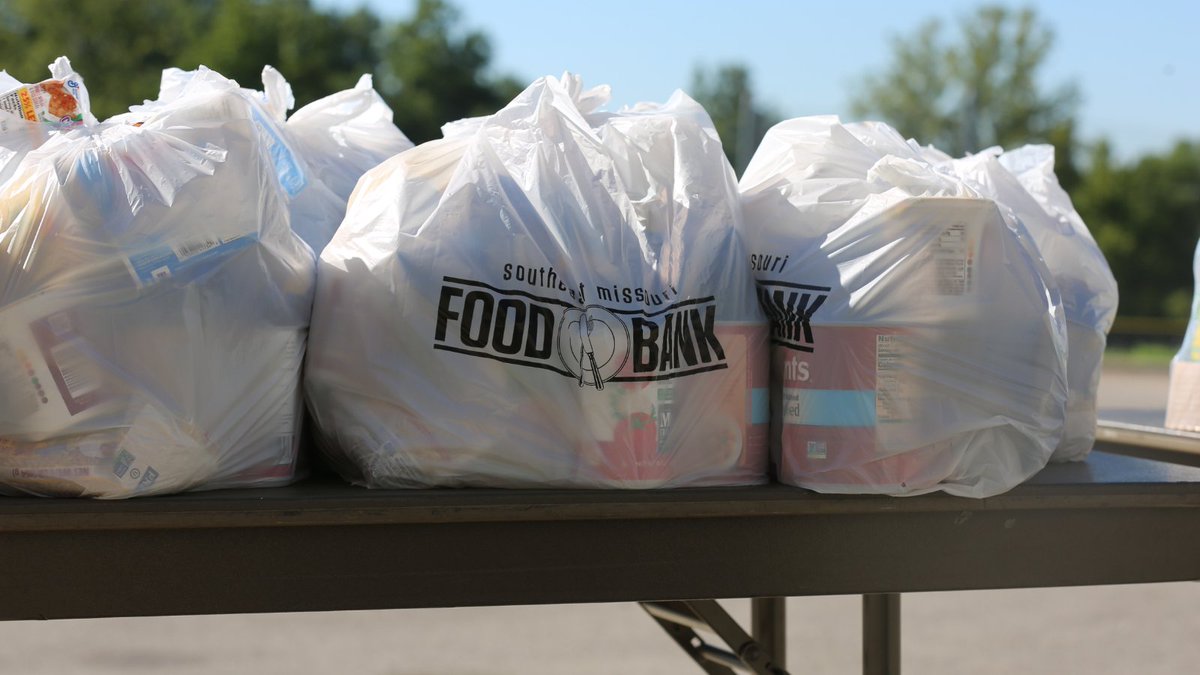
{"x":837,"y":404}
{"x":635,"y":435}
{"x":153,"y":309}
{"x":61,"y":101}
{"x":918,"y":342}
{"x":30,"y":113}
{"x":1023,"y":180}
{"x":319,"y":153}
{"x":550,"y":296}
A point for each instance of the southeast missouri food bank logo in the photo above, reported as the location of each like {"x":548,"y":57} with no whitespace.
{"x":591,"y":344}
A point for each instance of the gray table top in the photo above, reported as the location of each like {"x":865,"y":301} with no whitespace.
{"x":325,"y":545}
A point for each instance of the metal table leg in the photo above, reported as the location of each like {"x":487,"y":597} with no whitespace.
{"x":768,"y":625}
{"x":881,"y":634}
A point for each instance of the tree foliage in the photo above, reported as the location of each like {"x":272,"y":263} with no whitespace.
{"x":318,"y":52}
{"x":981,"y":87}
{"x":976,"y":89}
{"x":962,"y":90}
{"x":429,"y":71}
{"x":1146,"y":218}
{"x":727,"y":93}
{"x":120,"y":48}
{"x":437,"y":74}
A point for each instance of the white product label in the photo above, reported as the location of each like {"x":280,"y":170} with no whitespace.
{"x":817,"y":450}
{"x":192,"y":248}
{"x":891,"y":385}
{"x":287,"y":421}
{"x":953,"y":261}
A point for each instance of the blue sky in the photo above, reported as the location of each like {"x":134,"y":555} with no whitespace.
{"x":1136,"y":64}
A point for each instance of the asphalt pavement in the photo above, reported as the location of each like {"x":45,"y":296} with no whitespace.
{"x":1147,"y":629}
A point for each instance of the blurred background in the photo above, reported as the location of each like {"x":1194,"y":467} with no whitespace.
{"x":1114,"y":87}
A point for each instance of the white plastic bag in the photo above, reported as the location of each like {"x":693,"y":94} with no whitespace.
{"x":551,"y":296}
{"x":1024,"y":181}
{"x":153,"y":308}
{"x":346,"y":134}
{"x":918,"y":339}
{"x":319,"y":154}
{"x":1183,"y":394}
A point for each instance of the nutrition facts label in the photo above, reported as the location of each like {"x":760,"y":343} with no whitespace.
{"x":954,"y":260}
{"x":891,"y":390}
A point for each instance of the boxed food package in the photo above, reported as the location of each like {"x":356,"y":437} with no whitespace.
{"x":1023,"y":180}
{"x":918,"y":340}
{"x":549,"y":296}
{"x":154,"y":305}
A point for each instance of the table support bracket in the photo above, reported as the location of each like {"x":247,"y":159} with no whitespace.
{"x":682,"y":619}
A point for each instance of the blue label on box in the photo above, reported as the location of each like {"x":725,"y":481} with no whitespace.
{"x":167,"y":261}
{"x":829,"y":407}
{"x":291,"y":176}
{"x":760,"y":405}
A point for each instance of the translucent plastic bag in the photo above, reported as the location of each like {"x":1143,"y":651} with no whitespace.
{"x":918,"y":339}
{"x":1183,"y":394}
{"x":551,"y":296}
{"x":153,"y":308}
{"x":346,"y":134}
{"x":319,"y":154}
{"x":1024,"y":181}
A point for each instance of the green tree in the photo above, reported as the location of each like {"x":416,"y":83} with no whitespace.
{"x":977,"y":89}
{"x":1146,"y":218}
{"x":433,"y":73}
{"x":727,"y":93}
{"x":429,"y":71}
{"x":120,"y":48}
{"x":319,"y":52}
